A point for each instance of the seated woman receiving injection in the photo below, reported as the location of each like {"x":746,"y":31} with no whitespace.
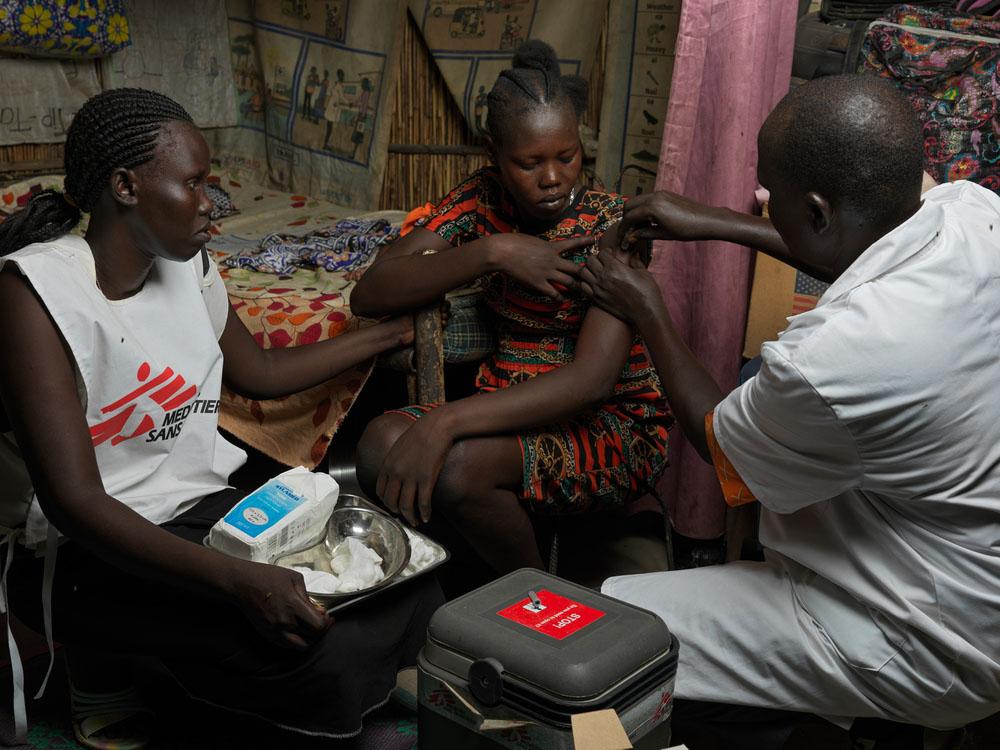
{"x":109,"y":338}
{"x":570,"y":416}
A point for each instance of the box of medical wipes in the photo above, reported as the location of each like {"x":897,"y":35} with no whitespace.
{"x":285,"y":514}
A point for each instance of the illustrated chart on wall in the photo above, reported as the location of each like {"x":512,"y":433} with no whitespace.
{"x":313,"y":78}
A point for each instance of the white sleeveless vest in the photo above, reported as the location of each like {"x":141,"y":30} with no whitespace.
{"x":150,"y":373}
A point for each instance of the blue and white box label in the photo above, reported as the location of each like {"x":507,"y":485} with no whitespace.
{"x":263,"y":508}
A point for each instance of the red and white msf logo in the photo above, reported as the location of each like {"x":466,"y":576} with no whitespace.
{"x":166,"y":390}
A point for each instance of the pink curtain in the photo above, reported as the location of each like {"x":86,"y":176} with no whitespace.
{"x":733,"y":64}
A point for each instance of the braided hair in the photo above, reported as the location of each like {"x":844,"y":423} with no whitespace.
{"x":114,"y":129}
{"x":534,"y":80}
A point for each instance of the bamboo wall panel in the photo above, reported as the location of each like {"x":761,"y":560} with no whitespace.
{"x":25,"y":159}
{"x":424,"y":113}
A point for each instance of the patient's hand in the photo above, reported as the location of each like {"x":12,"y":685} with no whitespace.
{"x":535,"y":263}
{"x":410,"y":470}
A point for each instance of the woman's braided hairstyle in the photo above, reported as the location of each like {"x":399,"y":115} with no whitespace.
{"x":114,"y":129}
{"x":533,"y":80}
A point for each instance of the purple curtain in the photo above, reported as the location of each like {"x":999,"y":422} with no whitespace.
{"x":733,"y":64}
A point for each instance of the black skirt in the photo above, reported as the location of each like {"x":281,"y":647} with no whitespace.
{"x":212,"y":649}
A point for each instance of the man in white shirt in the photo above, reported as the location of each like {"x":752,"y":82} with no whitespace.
{"x":871,"y":435}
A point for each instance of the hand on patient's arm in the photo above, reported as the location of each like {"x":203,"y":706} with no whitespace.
{"x":39,"y":394}
{"x":619,"y":283}
{"x":270,"y":373}
{"x":616,"y":240}
{"x":663,"y":215}
{"x":410,"y":470}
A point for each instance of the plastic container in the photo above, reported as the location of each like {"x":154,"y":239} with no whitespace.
{"x":507,"y":666}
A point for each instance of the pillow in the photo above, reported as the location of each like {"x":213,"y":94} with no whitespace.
{"x":77,"y":29}
{"x":470,"y":334}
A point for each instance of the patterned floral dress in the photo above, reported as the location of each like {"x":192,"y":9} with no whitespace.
{"x":600,"y":458}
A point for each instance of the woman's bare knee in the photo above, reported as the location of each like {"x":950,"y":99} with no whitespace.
{"x":475,"y":468}
{"x":460,"y":479}
{"x":376,"y":442}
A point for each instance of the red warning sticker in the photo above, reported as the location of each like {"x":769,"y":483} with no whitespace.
{"x":554,"y":615}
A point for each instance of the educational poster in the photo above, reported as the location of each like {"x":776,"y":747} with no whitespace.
{"x":327,"y":18}
{"x":473,"y":40}
{"x":38,"y":98}
{"x":479,"y":25}
{"x":639,"y":68}
{"x":335,"y":105}
{"x":313,"y":78}
{"x":248,"y":78}
{"x":177,"y":50}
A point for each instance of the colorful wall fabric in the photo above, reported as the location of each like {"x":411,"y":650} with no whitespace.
{"x":38,"y":98}
{"x":179,"y":51}
{"x":709,"y":153}
{"x":946,"y":65}
{"x":638,"y":70}
{"x":473,"y":40}
{"x":75,"y":29}
{"x":313,"y":82}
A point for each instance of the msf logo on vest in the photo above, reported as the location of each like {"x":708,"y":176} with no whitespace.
{"x":171,"y":398}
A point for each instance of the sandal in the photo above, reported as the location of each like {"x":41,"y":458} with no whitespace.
{"x":92,"y":713}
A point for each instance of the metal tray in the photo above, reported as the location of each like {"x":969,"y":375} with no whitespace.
{"x":343,"y":601}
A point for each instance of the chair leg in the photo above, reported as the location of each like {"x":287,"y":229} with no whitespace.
{"x":554,"y":553}
{"x":411,"y":388}
{"x":428,"y":337}
{"x":668,"y":531}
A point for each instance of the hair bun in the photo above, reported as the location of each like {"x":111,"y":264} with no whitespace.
{"x":535,"y":54}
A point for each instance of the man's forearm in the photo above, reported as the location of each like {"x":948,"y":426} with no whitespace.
{"x":758,"y":233}
{"x":691,"y":390}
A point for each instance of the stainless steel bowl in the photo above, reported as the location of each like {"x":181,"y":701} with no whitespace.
{"x":348,"y":500}
{"x":376,"y":530}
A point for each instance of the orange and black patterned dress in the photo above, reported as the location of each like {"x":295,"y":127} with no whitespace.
{"x":600,"y":458}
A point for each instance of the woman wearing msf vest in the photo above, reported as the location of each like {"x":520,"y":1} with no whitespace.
{"x":115,"y":346}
